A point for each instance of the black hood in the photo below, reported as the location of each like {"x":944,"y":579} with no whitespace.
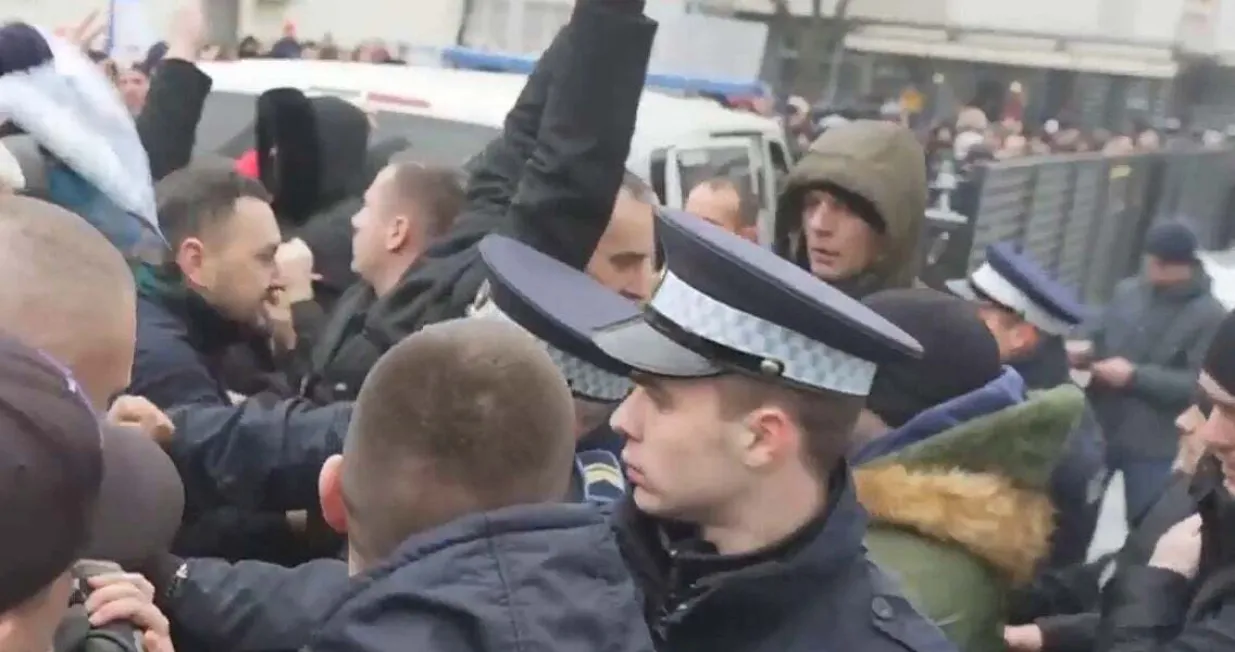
{"x":321,"y":147}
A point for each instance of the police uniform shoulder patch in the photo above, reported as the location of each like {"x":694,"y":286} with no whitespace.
{"x":603,"y":481}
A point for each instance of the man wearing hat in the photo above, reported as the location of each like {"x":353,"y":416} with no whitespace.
{"x":1029,"y":313}
{"x":521,"y":283}
{"x":743,"y":527}
{"x":1146,"y":350}
{"x":71,"y":488}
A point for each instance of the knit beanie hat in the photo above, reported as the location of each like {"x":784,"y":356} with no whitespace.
{"x":1171,"y":242}
{"x":959,"y":354}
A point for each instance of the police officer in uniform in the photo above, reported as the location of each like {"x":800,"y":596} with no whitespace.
{"x":742,"y":526}
{"x":520,"y":281}
{"x":1029,"y":313}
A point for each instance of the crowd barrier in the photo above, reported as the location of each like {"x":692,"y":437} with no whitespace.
{"x":1083,"y":216}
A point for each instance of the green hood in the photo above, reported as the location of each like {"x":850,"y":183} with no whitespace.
{"x":882,"y":163}
{"x":983,"y":485}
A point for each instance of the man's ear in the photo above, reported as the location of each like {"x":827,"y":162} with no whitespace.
{"x":330,"y":493}
{"x":398,"y":232}
{"x":769,"y":436}
{"x":191,"y":259}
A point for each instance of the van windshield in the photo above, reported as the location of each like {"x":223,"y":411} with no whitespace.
{"x":226,"y":129}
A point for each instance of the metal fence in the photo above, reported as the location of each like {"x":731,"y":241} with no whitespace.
{"x":1083,"y":216}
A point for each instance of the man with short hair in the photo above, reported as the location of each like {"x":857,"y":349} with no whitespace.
{"x":210,"y":296}
{"x":743,"y":528}
{"x":451,"y":483}
{"x":106,"y":493}
{"x":555,"y":179}
{"x":407,"y":208}
{"x":722,"y":202}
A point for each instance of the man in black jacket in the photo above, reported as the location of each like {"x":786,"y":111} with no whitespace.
{"x":1059,"y":611}
{"x":254,"y":606}
{"x":560,"y":203}
{"x":554,"y":180}
{"x":1184,"y":598}
{"x":212,"y":295}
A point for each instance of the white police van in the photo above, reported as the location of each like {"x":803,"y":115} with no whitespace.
{"x":449,"y":115}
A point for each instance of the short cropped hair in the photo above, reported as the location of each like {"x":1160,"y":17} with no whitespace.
{"x":437,"y":191}
{"x":461,"y":417}
{"x":201,"y":197}
{"x":67,"y":290}
{"x":826,"y":418}
{"x":748,"y":211}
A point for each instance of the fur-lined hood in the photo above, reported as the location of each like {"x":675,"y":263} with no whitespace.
{"x":982,"y":484}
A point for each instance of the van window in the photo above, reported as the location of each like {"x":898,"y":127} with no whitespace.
{"x":698,"y":165}
{"x":226,"y":128}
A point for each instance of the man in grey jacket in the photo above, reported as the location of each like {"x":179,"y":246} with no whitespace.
{"x":1147,"y":348}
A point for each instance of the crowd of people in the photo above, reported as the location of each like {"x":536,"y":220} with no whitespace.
{"x":328,"y":397}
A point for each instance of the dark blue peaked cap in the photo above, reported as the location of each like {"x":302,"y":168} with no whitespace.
{"x":724,"y":304}
{"x":1014,"y":280}
{"x":560,"y":306}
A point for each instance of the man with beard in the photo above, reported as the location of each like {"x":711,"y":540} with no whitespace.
{"x":211,"y":295}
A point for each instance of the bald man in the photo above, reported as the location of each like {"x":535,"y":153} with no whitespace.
{"x":723,"y":203}
{"x":68,"y":292}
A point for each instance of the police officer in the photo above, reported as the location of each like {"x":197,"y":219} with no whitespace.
{"x":520,"y":281}
{"x":743,"y":528}
{"x":1029,"y":313}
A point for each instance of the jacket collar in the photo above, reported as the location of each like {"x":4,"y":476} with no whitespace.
{"x":669,"y":560}
{"x":1003,"y":392}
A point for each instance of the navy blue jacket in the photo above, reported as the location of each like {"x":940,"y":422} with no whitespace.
{"x":818,"y":592}
{"x":259,"y":455}
{"x":536,"y":577}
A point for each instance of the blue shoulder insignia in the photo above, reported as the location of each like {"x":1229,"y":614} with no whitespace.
{"x":601,"y":476}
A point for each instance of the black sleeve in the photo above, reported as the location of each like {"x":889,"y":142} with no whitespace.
{"x":1070,"y":633}
{"x":258,"y":455}
{"x":567,"y":191}
{"x":1144,"y":610}
{"x":247,"y":606}
{"x":1058,"y":591}
{"x":233,"y":533}
{"x":497,"y":169}
{"x":167,"y":125}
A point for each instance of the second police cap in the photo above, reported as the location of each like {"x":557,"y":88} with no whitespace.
{"x":560,"y":306}
{"x":725,"y":304}
{"x":1015,"y":281}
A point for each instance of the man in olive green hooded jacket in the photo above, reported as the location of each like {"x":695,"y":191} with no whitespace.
{"x":853,"y":207}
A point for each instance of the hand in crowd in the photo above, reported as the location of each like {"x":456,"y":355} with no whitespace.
{"x":137,"y":411}
{"x":279,"y":319}
{"x":120,"y":597}
{"x":1114,"y":372}
{"x":1023,"y":638}
{"x":294,"y":260}
{"x":187,"y":35}
{"x":87,"y":32}
{"x":1179,"y":550}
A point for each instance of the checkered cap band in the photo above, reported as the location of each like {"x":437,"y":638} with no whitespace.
{"x":801,"y":358}
{"x":585,"y":379}
{"x":998,"y":287}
